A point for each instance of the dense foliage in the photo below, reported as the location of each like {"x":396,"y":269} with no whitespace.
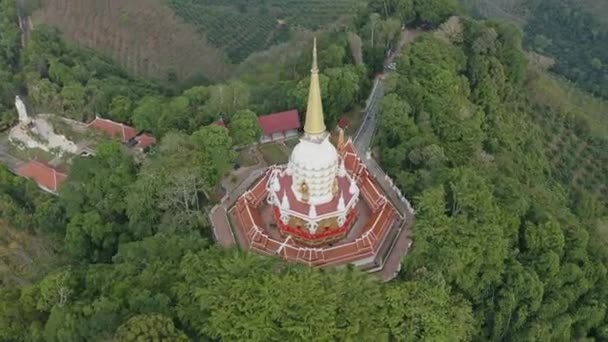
{"x":504,"y":249}
{"x":576,"y":38}
{"x":461,"y":137}
{"x":10,"y":42}
{"x":573,"y":32}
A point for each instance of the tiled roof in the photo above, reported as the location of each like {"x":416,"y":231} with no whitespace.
{"x":47,"y":177}
{"x":280,"y":122}
{"x":144,"y":141}
{"x":114,"y":129}
{"x":220,"y":123}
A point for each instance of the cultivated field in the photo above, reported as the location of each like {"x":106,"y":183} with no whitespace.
{"x":145,"y":36}
{"x":241,"y":27}
{"x":577,"y":158}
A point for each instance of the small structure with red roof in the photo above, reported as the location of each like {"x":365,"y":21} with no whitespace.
{"x":114,"y":129}
{"x":144,"y":141}
{"x":220,"y":123}
{"x":47,"y":177}
{"x":127,"y":134}
{"x":278,"y":126}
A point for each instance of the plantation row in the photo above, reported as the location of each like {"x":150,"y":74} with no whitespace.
{"x":575,"y":160}
{"x":243,"y":27}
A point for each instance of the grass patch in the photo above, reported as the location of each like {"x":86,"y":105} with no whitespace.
{"x":246,"y":158}
{"x":30,"y":153}
{"x":291,"y":143}
{"x":273,"y":154}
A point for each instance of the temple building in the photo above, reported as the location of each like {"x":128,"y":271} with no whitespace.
{"x":313,"y":197}
{"x":324,"y":207}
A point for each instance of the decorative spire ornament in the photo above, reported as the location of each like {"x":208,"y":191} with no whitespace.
{"x":285,"y":202}
{"x":352,"y":188}
{"x":341,"y":205}
{"x":312,"y":213}
{"x":315,"y":122}
{"x":342,"y":169}
{"x":341,"y":141}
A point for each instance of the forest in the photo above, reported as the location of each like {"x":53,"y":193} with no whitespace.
{"x":505,"y":246}
{"x":571,"y":32}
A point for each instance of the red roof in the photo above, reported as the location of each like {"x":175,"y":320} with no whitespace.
{"x":114,"y":129}
{"x":219,"y":122}
{"x":144,"y":141}
{"x":280,"y":122}
{"x":45,"y":176}
{"x":343,"y":122}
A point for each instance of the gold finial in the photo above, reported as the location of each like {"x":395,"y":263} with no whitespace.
{"x":335,"y":188}
{"x":340,"y":137}
{"x":304,"y":191}
{"x":315,"y":122}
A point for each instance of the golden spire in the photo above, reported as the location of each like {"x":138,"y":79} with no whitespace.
{"x":315,"y":123}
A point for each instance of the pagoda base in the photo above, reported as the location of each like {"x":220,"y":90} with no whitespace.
{"x":325,"y":236}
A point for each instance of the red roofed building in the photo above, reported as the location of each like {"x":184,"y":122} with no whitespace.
{"x":114,"y":129}
{"x":47,"y":177}
{"x":279,"y":126}
{"x":144,"y":141}
{"x":220,"y":123}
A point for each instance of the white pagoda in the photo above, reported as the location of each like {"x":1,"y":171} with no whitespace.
{"x":313,"y":196}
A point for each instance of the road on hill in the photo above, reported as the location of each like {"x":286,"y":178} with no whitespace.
{"x":364,"y":136}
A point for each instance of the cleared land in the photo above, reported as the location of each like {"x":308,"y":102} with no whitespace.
{"x":145,"y":36}
{"x":23,"y":257}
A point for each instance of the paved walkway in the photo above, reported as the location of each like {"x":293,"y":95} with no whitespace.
{"x":219,"y":214}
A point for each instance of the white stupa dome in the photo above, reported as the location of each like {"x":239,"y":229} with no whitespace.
{"x":316,"y":164}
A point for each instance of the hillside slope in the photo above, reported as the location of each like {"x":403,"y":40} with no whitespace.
{"x":145,"y":36}
{"x":574,"y":32}
{"x":241,"y":27}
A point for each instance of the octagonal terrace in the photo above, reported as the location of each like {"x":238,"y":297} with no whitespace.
{"x":376,"y":242}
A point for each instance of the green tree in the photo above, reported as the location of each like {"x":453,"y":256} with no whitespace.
{"x":434,"y":11}
{"x":343,"y":89}
{"x":73,"y":98}
{"x":121,"y":108}
{"x":217,"y":143}
{"x":168,"y":193}
{"x":148,"y":328}
{"x":425,"y":310}
{"x":245,"y":128}
{"x":147,"y":112}
{"x":227,"y":99}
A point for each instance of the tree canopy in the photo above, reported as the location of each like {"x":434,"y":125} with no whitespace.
{"x":505,"y":246}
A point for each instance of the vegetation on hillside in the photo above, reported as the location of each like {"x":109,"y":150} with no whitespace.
{"x":572,"y":32}
{"x":242,"y":27}
{"x":144,"y":36}
{"x":10,"y":42}
{"x":503,"y":248}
